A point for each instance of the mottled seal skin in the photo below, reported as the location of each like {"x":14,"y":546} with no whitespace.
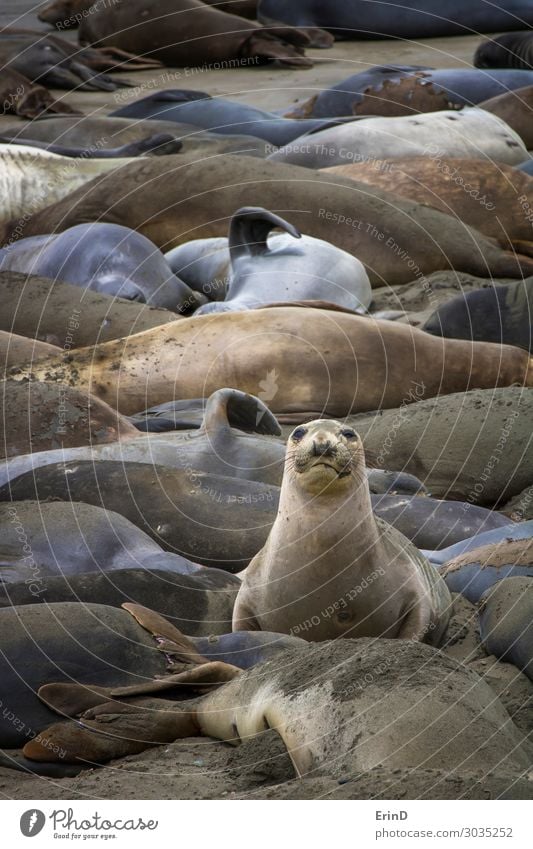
{"x":50,"y":311}
{"x":474,"y":572}
{"x":330,"y":562}
{"x":472,"y":133}
{"x":106,"y":258}
{"x":91,"y":644}
{"x":506,"y":622}
{"x":336,"y":210}
{"x":289,"y":267}
{"x":186,"y":33}
{"x":41,"y":541}
{"x":461,"y":86}
{"x":510,"y":50}
{"x":433,"y":524}
{"x":198,"y":604}
{"x":209,"y":519}
{"x":513,"y":531}
{"x":40,"y":416}
{"x":415,"y":708}
{"x":219,"y":115}
{"x":496,"y":314}
{"x":288,"y":354}
{"x":409,"y":19}
{"x":433,"y":440}
{"x":492,"y":197}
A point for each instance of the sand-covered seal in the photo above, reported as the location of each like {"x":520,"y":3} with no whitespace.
{"x":15,"y":349}
{"x":341,"y":707}
{"x":433,"y":440}
{"x":506,"y":622}
{"x":329,"y":562}
{"x":45,"y":309}
{"x":513,"y":531}
{"x":304,"y":362}
{"x":475,"y":571}
{"x":39,"y":416}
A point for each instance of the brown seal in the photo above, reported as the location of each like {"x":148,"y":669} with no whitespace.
{"x":188,"y":33}
{"x":492,"y":197}
{"x":15,"y":349}
{"x":19,"y":96}
{"x":304,"y":362}
{"x":514,"y":107}
{"x":170,"y":199}
{"x":329,"y":567}
{"x":40,"y":416}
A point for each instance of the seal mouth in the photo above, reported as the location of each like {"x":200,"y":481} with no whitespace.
{"x":341,"y":473}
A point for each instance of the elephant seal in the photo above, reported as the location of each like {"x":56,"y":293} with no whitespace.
{"x":40,"y":541}
{"x":199,"y":604}
{"x":407,"y":20}
{"x":514,"y":107}
{"x":510,"y":50}
{"x":106,"y":258}
{"x":496,"y":314}
{"x":19,"y":96}
{"x":506,"y":622}
{"x":349,"y":362}
{"x":209,"y":519}
{"x":458,"y":86}
{"x":186,"y":33}
{"x":234,"y":439}
{"x":329,"y":562}
{"x":472,"y":133}
{"x":476,"y":571}
{"x":158,"y":144}
{"x":15,"y":349}
{"x":433,"y":440}
{"x":513,"y":531}
{"x":204,"y":264}
{"x":414,"y":708}
{"x":220,"y":116}
{"x":32,"y":178}
{"x":50,"y":311}
{"x":433,"y":524}
{"x":39,"y":416}
{"x":86,"y":643}
{"x":287,"y":270}
{"x":492,"y":197}
{"x":395,"y":240}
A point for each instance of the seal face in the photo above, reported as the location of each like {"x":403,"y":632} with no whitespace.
{"x":331,"y":568}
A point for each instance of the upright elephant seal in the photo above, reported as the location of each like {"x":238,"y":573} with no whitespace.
{"x":329,"y":567}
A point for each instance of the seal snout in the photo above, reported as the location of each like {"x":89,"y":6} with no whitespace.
{"x":323,"y":448}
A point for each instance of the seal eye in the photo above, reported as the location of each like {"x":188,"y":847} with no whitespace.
{"x":298,"y":434}
{"x":348,"y":433}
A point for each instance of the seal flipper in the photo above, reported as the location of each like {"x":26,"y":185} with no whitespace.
{"x":211,"y":674}
{"x":249,"y":229}
{"x":110,"y":736}
{"x":14,"y":759}
{"x":72,"y":699}
{"x":227,"y":408}
{"x":156,"y":625}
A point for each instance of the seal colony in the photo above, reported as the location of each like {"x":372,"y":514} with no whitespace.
{"x":267,"y":382}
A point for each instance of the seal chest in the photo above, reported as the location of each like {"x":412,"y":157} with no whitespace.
{"x":329,"y":567}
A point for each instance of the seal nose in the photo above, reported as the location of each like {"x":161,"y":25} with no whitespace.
{"x":322,"y":448}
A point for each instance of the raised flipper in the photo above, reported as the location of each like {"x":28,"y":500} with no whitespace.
{"x":249,"y":229}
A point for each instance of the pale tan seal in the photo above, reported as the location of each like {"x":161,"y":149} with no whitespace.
{"x":329,"y":567}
